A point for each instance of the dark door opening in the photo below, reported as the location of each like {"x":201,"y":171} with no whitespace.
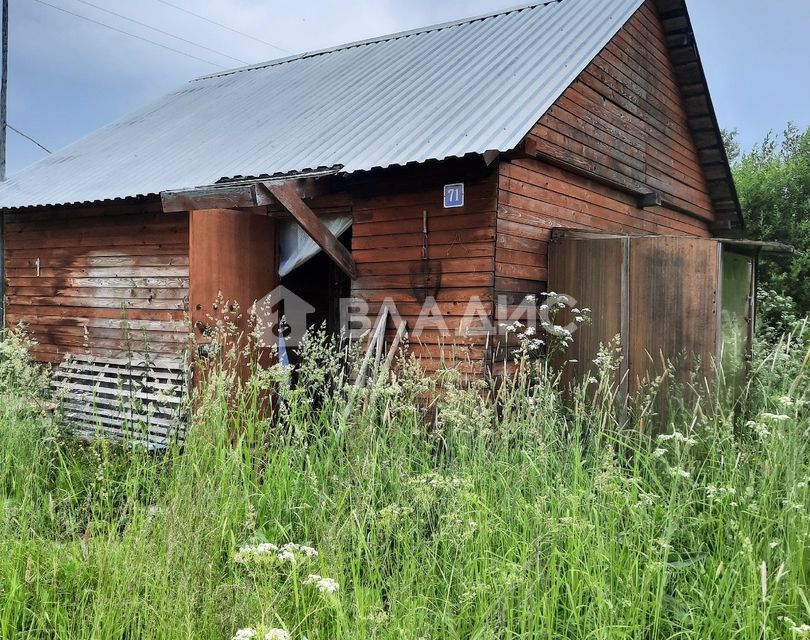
{"x":322,"y":285}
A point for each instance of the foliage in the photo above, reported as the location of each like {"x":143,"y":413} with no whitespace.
{"x":777,"y":316}
{"x":18,"y":371}
{"x":488,"y":511}
{"x":773,"y":181}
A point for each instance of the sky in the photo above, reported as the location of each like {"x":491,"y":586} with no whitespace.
{"x":69,"y":76}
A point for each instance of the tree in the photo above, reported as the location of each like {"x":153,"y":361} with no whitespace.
{"x":773,"y":181}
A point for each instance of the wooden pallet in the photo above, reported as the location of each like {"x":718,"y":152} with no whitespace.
{"x":124,"y":399}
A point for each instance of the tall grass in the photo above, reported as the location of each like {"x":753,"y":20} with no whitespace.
{"x":491,"y":511}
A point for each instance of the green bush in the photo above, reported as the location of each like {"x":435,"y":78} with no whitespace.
{"x":773,"y":181}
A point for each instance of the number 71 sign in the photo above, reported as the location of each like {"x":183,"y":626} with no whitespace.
{"x":453,"y":195}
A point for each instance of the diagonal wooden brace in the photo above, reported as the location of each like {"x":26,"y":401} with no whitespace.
{"x":287,"y":196}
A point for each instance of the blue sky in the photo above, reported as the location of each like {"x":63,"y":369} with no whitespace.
{"x":69,"y":76}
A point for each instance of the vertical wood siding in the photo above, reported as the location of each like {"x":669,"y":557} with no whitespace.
{"x":98,"y":265}
{"x":624,"y":120}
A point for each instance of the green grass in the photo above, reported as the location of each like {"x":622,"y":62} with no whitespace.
{"x":503,"y":514}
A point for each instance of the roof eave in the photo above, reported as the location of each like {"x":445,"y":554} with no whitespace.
{"x":686,"y":60}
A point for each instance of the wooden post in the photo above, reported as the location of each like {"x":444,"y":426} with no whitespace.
{"x":3,"y":126}
{"x":2,"y":276}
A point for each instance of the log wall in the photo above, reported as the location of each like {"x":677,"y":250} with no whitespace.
{"x":99,"y":265}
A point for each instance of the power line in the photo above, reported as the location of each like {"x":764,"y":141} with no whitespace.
{"x":131,"y":35}
{"x":3,"y":112}
{"x":219,"y":24}
{"x":27,"y":137}
{"x":165,"y":33}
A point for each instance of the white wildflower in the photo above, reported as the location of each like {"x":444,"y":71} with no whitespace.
{"x":268,"y":553}
{"x":679,"y":472}
{"x":245,"y":634}
{"x":277,"y":634}
{"x":377,"y":616}
{"x":798,"y":630}
{"x":761,"y":429}
{"x":775,"y":417}
{"x":257,"y":553}
{"x":718,"y":494}
{"x":748,"y":545}
{"x":287,"y":556}
{"x":676,"y":436}
{"x":659,"y":453}
{"x":324,"y":585}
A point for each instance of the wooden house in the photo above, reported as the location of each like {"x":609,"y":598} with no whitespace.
{"x":445,"y":157}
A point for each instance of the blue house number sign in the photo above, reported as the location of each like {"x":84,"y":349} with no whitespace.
{"x":453,"y":195}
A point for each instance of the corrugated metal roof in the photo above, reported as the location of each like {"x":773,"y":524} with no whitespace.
{"x":450,"y":90}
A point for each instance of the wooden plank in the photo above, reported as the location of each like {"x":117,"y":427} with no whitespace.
{"x":100,"y":372}
{"x":374,"y":345}
{"x":67,"y":314}
{"x":3,"y":294}
{"x":438,"y":223}
{"x":169,"y":251}
{"x":224,"y":197}
{"x":445,"y":296}
{"x":69,"y":260}
{"x":592,"y":271}
{"x":173,"y":364}
{"x":103,"y":282}
{"x":448,"y":265}
{"x":94,"y":391}
{"x":673,"y":307}
{"x":86,"y":303}
{"x":452,"y":280}
{"x":451,"y":257}
{"x":409,"y":239}
{"x":288,"y":197}
{"x":435,"y":252}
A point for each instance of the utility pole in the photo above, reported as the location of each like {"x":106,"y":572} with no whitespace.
{"x":3,"y":129}
{"x":4,"y":94}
